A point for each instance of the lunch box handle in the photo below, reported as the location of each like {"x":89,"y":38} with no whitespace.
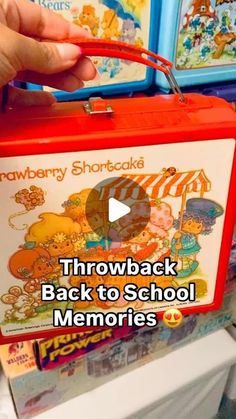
{"x":115,"y":49}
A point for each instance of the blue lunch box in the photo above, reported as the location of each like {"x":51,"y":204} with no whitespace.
{"x":199,"y":37}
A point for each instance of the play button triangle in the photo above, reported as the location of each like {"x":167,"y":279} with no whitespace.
{"x":117,"y":210}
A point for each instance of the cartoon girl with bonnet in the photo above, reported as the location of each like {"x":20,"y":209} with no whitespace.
{"x":199,"y":218}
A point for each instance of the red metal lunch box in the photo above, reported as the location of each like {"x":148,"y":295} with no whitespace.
{"x":179,"y":149}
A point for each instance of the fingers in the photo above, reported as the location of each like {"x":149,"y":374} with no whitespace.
{"x":39,"y":21}
{"x":84,"y":70}
{"x":63,"y":81}
{"x":45,"y":57}
{"x":23,"y":98}
{"x":69,"y":80}
{"x":19,"y":53}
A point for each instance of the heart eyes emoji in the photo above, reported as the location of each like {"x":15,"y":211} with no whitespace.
{"x":173,"y":318}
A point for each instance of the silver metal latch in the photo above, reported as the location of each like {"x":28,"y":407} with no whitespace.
{"x":97,"y":105}
{"x":173,"y":84}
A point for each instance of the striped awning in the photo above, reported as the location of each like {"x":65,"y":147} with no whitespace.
{"x":156,"y":185}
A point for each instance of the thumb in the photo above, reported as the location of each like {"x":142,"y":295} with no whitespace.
{"x":19,"y":53}
{"x":46,"y":57}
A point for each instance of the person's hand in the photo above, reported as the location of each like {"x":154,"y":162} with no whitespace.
{"x":25,"y":56}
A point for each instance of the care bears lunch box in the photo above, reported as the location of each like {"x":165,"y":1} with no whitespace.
{"x":199,"y":37}
{"x":174,"y":154}
{"x":131,"y":21}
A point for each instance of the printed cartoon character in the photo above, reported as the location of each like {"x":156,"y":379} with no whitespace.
{"x":40,"y":305}
{"x":156,"y":219}
{"x":118,"y":282}
{"x":226,"y":22}
{"x":199,"y":7}
{"x":171,"y":171}
{"x":139,"y":280}
{"x":128,"y":31}
{"x":15,"y":348}
{"x":93,"y":237}
{"x":210,"y":28}
{"x":195,"y":23}
{"x":73,"y":206}
{"x":197,"y":39}
{"x":143,"y":244}
{"x":33,"y":266}
{"x":110,"y":66}
{"x":110,"y":25}
{"x":60,"y":245}
{"x":91,"y":281}
{"x":23,"y":305}
{"x":199,"y":217}
{"x":89,"y":20}
{"x":140,"y":213}
{"x":57,"y":234}
{"x":161,"y":217}
{"x":79,"y":202}
{"x":204,"y":52}
{"x":161,"y":221}
{"x":188,"y":45}
{"x":94,"y":231}
{"x":222,"y":40}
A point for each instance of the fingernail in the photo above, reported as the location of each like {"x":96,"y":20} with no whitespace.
{"x":68,"y":52}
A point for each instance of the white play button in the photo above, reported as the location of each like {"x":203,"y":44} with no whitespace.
{"x":117,"y":210}
{"x":117,"y":200}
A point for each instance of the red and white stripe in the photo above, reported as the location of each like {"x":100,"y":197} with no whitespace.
{"x":156,"y":186}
